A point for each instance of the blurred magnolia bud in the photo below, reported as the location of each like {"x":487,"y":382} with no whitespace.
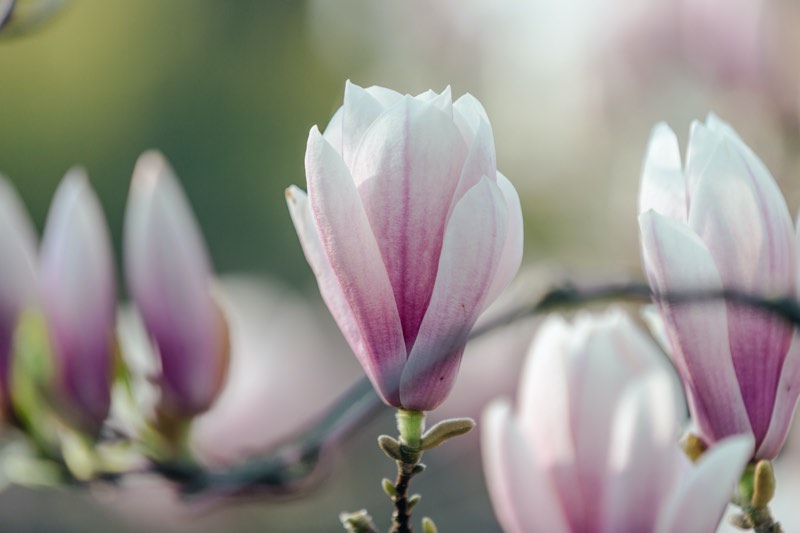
{"x":17,"y":273}
{"x":169,"y":276}
{"x":78,"y":293}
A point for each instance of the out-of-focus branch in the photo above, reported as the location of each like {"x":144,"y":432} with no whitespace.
{"x":289,"y":465}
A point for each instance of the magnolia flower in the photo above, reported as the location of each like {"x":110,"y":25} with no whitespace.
{"x":410,"y":231}
{"x":18,"y":288}
{"x":78,"y":294}
{"x":592,"y":445}
{"x":717,"y":222}
{"x":169,"y":276}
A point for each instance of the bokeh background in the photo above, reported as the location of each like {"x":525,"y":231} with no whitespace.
{"x":228,"y":91}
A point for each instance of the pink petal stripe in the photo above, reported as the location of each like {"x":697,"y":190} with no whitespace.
{"x":471,"y":249}
{"x":676,"y":260}
{"x":408,"y":166}
{"x":354,"y":257}
{"x":522,"y":494}
{"x":663,"y":186}
{"x":698,"y":501}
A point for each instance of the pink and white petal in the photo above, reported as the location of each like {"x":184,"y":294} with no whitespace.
{"x":676,"y":260}
{"x":663,"y":186}
{"x":545,"y":403}
{"x":386,"y":97}
{"x":465,"y":270}
{"x":643,"y":455}
{"x":545,"y":395}
{"x":359,"y":111}
{"x":469,"y":114}
{"x":785,"y":404}
{"x":329,"y":286}
{"x":698,"y":500}
{"x":479,"y":163}
{"x":522,"y":494}
{"x":750,"y":234}
{"x":511,"y":256}
{"x":601,"y":365}
{"x":407,"y":168}
{"x":333,"y":131}
{"x":354,"y":258}
{"x":751,"y":239}
{"x":443,"y":100}
{"x":703,"y":142}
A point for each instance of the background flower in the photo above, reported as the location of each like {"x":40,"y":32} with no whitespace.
{"x":592,"y":444}
{"x":721,"y":221}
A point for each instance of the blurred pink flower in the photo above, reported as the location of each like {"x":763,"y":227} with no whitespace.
{"x":18,"y":285}
{"x":169,"y":275}
{"x":78,"y":294}
{"x":592,"y":445}
{"x":411,"y":232}
{"x":721,"y":221}
{"x":278,"y":340}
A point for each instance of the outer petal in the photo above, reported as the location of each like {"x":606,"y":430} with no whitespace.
{"x":644,"y":456}
{"x":407,"y":168}
{"x":352,"y":252}
{"x":663,"y":186}
{"x":603,"y":356}
{"x":18,"y":286}
{"x":676,"y":260}
{"x":169,"y":275}
{"x":329,"y":286}
{"x":511,"y":256}
{"x":751,"y":239}
{"x":703,"y":143}
{"x":785,"y":404}
{"x":480,"y":161}
{"x":698,"y":500}
{"x":78,"y":293}
{"x":545,"y":409}
{"x":472,"y":245}
{"x":523,"y":496}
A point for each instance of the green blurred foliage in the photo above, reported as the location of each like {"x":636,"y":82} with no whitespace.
{"x":227,"y":91}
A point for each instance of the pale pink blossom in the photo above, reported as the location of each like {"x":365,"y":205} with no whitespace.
{"x":592,"y":444}
{"x":411,"y":232}
{"x":720,"y":221}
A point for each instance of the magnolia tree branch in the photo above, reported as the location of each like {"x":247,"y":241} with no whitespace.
{"x":288,"y":466}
